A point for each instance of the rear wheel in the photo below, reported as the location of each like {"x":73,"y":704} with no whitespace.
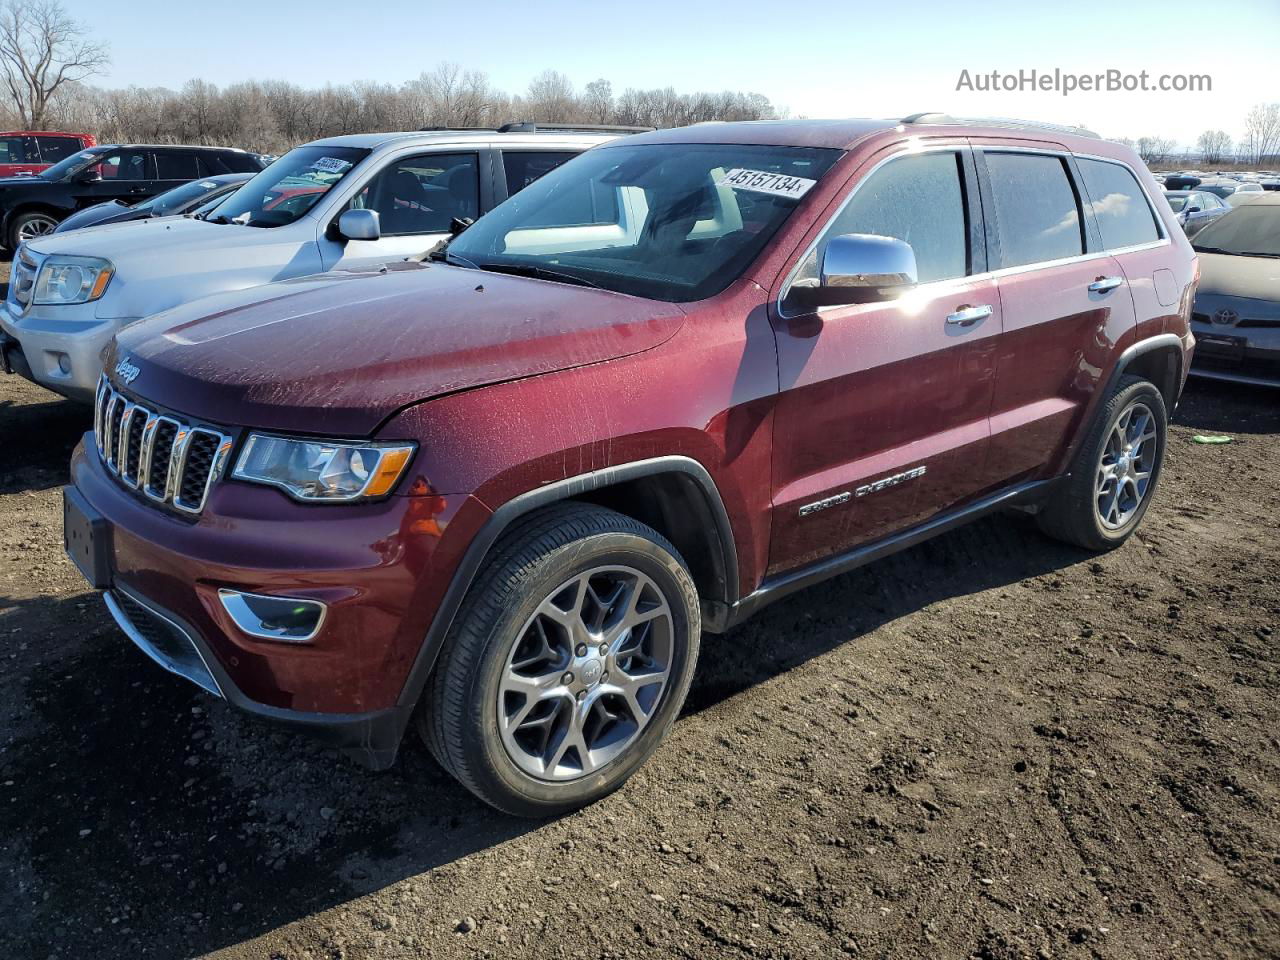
{"x":29,"y":226}
{"x":1114,"y":473}
{"x":567,"y":664}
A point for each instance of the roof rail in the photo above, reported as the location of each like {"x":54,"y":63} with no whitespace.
{"x":944,"y":118}
{"x":526,"y":126}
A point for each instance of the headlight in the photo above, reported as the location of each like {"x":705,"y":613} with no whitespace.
{"x":72,"y":280}
{"x":327,"y":470}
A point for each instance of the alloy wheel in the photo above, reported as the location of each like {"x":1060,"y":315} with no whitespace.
{"x":586,"y":673}
{"x":35,"y":227}
{"x":1126,"y":466}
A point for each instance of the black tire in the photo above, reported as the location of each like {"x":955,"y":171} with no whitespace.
{"x":22,"y":220}
{"x":1073,"y":513}
{"x":458,"y":717}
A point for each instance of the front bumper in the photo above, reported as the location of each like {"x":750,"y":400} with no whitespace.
{"x":1240,"y":354}
{"x":61,"y":346}
{"x":374,"y":566}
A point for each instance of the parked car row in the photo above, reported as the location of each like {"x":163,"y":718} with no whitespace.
{"x":33,"y":206}
{"x":345,"y":202}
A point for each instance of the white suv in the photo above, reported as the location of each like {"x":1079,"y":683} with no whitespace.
{"x":344,"y":202}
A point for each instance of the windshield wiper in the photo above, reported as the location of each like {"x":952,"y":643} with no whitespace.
{"x":1211,"y":250}
{"x":540,"y":273}
{"x":1258,"y":253}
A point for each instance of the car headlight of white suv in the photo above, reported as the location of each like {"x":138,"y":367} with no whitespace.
{"x":67,"y":279}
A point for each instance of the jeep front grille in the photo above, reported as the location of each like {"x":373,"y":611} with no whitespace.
{"x":170,"y":461}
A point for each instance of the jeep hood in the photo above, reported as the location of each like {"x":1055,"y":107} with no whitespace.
{"x":337,"y":353}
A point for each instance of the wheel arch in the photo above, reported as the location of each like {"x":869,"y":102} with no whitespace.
{"x":1158,"y":359}
{"x":30,"y":206}
{"x":674,"y":494}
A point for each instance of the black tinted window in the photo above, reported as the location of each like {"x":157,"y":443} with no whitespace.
{"x":1036,"y":214}
{"x":14,"y":150}
{"x":124,"y":165}
{"x":174,"y":165}
{"x":1119,"y":206}
{"x":423,"y":194}
{"x":918,"y":199}
{"x":53,"y":149}
{"x":524,"y":168}
{"x":234,"y":161}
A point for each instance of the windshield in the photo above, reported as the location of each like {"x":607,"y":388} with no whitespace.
{"x":674,"y":222}
{"x":288,"y":188}
{"x":172,"y":201}
{"x":69,"y":165}
{"x":1249,"y":230}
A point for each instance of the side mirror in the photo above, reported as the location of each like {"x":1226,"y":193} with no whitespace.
{"x":859,"y":268}
{"x":1192,"y":210}
{"x":89,"y":176}
{"x":459,"y":224}
{"x":360,"y":225}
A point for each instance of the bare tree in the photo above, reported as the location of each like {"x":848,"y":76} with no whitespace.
{"x":1154,"y":149}
{"x":1214,"y":145}
{"x":550,"y":98}
{"x":1262,"y":133}
{"x":41,"y":50}
{"x":597,"y":100}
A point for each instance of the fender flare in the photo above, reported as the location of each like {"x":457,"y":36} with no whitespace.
{"x":525,"y":503}
{"x":1160,"y":341}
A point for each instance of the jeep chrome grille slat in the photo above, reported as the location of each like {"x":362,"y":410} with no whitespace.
{"x":169,"y":461}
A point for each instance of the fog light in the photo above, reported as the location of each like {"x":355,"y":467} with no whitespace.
{"x":288,"y":619}
{"x":64,"y":364}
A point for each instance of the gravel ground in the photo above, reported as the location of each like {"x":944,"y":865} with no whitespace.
{"x":991,"y":746}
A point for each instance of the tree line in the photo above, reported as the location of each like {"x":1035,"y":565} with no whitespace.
{"x":273,"y":115}
{"x":1258,"y":144}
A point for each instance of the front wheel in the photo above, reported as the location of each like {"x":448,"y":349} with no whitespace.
{"x":29,"y":226}
{"x":1114,"y":473}
{"x":567,"y":664}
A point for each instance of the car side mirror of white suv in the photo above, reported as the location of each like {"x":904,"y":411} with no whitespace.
{"x":360,"y":225}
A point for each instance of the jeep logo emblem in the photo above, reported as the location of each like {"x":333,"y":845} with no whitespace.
{"x":126,"y":371}
{"x":1225,"y":316}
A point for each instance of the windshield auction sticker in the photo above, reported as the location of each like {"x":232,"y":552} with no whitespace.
{"x":762,"y":181}
{"x":331,"y":165}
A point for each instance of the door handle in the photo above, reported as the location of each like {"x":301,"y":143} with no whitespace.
{"x":968,"y":316}
{"x":1105,"y":284}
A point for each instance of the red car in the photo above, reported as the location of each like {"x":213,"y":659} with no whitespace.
{"x":500,"y":493}
{"x":30,"y":151}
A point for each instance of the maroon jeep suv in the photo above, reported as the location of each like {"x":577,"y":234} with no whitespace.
{"x":498,"y":494}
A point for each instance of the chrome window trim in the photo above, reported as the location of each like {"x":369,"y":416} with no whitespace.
{"x":996,"y":274}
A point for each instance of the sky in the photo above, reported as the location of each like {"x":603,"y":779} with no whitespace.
{"x":818,"y":59}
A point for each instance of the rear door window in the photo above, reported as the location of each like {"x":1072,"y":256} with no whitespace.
{"x":176,"y":165}
{"x":525,"y":167}
{"x":53,"y":149}
{"x":1036,"y":214}
{"x":1119,"y":206}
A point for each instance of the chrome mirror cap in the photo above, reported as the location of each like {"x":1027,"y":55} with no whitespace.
{"x":859,"y":268}
{"x":360,"y":225}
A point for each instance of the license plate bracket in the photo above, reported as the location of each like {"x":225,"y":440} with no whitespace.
{"x":1221,"y":348}
{"x":86,"y":536}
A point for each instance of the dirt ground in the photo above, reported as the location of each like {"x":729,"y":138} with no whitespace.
{"x":991,"y":746}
